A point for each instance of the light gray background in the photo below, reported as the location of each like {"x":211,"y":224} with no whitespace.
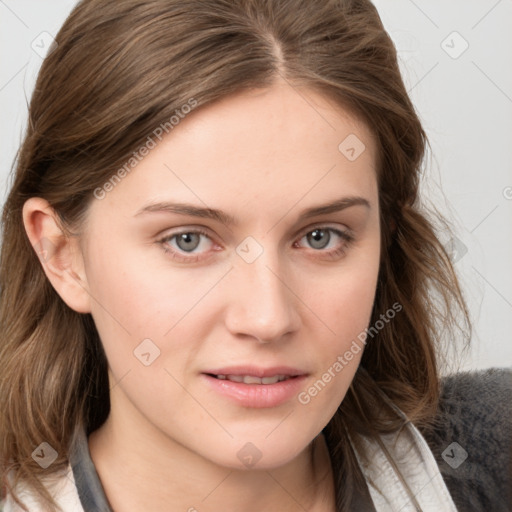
{"x":464,"y":99}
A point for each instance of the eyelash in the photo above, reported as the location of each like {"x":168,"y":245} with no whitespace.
{"x":333,"y":254}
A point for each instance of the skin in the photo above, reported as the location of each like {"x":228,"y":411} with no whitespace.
{"x":263,"y":157}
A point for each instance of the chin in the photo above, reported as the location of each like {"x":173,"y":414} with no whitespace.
{"x":260,"y":452}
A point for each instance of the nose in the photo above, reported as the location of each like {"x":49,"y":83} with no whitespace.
{"x":263,"y":304}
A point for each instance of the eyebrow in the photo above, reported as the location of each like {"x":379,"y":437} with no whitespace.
{"x":229,"y":220}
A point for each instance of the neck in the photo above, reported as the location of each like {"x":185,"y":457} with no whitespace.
{"x":142,"y":469}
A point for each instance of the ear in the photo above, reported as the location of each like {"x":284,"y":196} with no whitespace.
{"x":60,"y":254}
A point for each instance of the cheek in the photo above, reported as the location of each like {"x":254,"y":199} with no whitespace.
{"x":137,"y":300}
{"x":354,"y":303}
{"x":141,"y":294}
{"x":344,"y":307}
{"x":347,"y":299}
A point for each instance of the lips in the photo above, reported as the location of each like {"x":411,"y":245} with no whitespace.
{"x":256,"y":387}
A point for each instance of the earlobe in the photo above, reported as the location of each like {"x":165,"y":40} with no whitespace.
{"x":59,"y":253}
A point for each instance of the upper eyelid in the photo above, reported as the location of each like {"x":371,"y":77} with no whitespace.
{"x":301,"y":233}
{"x":207,"y":231}
{"x":321,"y":225}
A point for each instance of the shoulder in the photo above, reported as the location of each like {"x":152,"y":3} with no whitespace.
{"x":472,"y":439}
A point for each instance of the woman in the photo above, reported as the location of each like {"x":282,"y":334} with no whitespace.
{"x":219,"y":289}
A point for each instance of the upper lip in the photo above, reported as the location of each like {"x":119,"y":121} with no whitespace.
{"x":256,"y":371}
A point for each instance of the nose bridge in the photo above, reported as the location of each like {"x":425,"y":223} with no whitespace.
{"x":263,"y":305}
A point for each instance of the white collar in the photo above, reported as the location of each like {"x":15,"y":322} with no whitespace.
{"x":417,"y":470}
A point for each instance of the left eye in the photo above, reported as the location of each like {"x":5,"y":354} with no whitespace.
{"x":187,"y":241}
{"x":319,"y":238}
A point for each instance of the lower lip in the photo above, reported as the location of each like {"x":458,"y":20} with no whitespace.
{"x":257,"y":395}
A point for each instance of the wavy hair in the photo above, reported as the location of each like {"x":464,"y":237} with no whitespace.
{"x":120,"y":70}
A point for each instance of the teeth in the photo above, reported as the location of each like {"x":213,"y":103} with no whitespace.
{"x":250,"y":379}
{"x":272,"y":380}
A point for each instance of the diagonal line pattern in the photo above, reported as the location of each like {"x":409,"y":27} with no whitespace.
{"x":279,"y":424}
{"x":484,"y":218}
{"x":423,"y":77}
{"x":486,"y":14}
{"x":199,"y":403}
{"x":217,"y":486}
{"x":118,"y":381}
{"x":424,"y":13}
{"x":13,"y":77}
{"x":7,"y":7}
{"x":492,"y":81}
{"x":497,"y":291}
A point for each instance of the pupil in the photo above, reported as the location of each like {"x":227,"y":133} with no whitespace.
{"x":316,"y":237}
{"x":187,"y":238}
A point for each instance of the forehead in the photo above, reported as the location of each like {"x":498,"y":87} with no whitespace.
{"x":259,"y":151}
{"x":287,"y":120}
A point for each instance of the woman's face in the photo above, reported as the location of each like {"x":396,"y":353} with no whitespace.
{"x":194,"y":309}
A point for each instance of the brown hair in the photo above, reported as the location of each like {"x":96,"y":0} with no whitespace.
{"x":120,"y":70}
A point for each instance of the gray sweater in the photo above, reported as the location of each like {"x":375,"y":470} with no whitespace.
{"x":475,"y":412}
